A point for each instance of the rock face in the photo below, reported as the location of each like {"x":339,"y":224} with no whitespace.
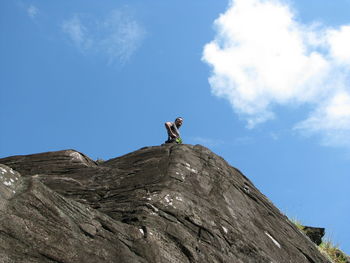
{"x":314,"y":233}
{"x":169,"y":203}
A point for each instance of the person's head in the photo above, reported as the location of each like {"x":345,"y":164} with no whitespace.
{"x":179,"y":121}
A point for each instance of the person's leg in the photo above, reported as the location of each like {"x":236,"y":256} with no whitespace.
{"x":171,"y":141}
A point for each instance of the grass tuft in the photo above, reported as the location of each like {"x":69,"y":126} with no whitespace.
{"x":297,"y":223}
{"x":332,"y":252}
{"x":99,"y":161}
{"x":327,"y":248}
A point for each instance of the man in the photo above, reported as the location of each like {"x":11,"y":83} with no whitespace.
{"x":173,"y":130}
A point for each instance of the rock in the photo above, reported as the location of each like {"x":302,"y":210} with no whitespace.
{"x":39,"y":225}
{"x":314,"y":233}
{"x":169,"y":203}
{"x":60,"y":162}
{"x":9,"y":182}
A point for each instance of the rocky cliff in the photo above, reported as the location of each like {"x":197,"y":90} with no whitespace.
{"x":169,"y":203}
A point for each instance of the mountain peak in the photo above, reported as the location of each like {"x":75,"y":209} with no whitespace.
{"x":169,"y":203}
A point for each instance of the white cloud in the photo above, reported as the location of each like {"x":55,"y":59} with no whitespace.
{"x":339,"y":41}
{"x":332,"y":119}
{"x":116,"y":36}
{"x":262,"y":56}
{"x":32,"y":11}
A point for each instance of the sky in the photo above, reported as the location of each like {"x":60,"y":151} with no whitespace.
{"x":262,"y":83}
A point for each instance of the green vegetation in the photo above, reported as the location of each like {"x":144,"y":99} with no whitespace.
{"x":327,"y":248}
{"x":297,"y":223}
{"x":99,"y":161}
{"x":332,"y":252}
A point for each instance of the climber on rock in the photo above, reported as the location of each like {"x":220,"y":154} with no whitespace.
{"x":173,"y":130}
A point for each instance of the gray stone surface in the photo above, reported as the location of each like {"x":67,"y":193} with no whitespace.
{"x":169,"y":203}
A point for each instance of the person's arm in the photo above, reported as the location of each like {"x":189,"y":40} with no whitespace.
{"x":167,"y":126}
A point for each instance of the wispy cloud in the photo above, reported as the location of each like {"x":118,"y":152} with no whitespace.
{"x":207,"y":141}
{"x":77,"y":33}
{"x":32,"y":11}
{"x":117,"y":36}
{"x":123,"y":36}
{"x":262,"y":56}
{"x":210,"y":142}
{"x":243,"y":140}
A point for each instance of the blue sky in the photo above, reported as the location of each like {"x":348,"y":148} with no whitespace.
{"x":264,"y":84}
